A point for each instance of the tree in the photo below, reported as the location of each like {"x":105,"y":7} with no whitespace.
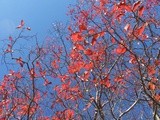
{"x":112,"y":70}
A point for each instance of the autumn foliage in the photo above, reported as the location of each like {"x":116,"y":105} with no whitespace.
{"x":104,"y":65}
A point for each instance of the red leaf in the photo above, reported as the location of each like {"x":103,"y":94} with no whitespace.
{"x":20,"y":61}
{"x":107,"y":82}
{"x":9,"y":48}
{"x":22,"y":23}
{"x":69,"y":114}
{"x":123,"y":5}
{"x":93,"y":42}
{"x":88,"y":52}
{"x":43,"y":73}
{"x":54,"y":64}
{"x":91,"y":31}
{"x":79,"y":47}
{"x":119,"y":16}
{"x":151,"y":86}
{"x":120,"y":49}
{"x":136,"y":5}
{"x":32,"y":73}
{"x":132,"y":59}
{"x":113,"y":40}
{"x":10,"y":38}
{"x":140,"y":30}
{"x":128,"y":8}
{"x":18,"y":75}
{"x":89,"y":66}
{"x":82,"y":27}
{"x":140,"y":11}
{"x":157,"y":97}
{"x":101,"y":34}
{"x":151,"y":70}
{"x":38,"y":64}
{"x":157,"y":62}
{"x":77,"y":37}
{"x":118,"y":79}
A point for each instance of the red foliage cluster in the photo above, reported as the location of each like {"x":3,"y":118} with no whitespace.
{"x":112,"y":70}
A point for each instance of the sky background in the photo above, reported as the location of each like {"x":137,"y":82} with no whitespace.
{"x":38,"y":14}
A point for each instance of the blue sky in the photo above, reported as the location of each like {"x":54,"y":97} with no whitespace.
{"x":38,"y":14}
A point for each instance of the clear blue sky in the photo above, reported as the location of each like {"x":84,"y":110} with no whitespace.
{"x":39,"y":14}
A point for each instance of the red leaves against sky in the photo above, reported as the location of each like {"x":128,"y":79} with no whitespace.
{"x":96,"y":45}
